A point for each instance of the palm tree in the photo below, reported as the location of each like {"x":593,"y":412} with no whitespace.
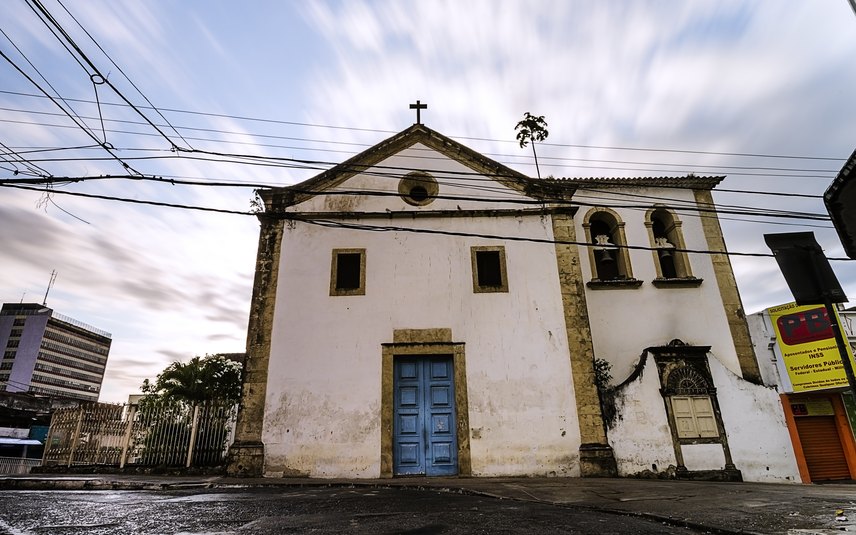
{"x":200,"y":379}
{"x":534,"y":128}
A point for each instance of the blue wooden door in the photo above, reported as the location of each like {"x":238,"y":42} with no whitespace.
{"x":424,"y":434}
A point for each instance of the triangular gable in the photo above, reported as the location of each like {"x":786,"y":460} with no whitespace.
{"x":279,"y":198}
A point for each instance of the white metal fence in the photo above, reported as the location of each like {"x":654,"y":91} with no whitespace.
{"x":17,"y":465}
{"x":172,"y":435}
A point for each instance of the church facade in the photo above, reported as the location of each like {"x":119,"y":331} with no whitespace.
{"x":420,"y":309}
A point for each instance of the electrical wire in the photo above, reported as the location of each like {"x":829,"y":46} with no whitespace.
{"x":243,"y":158}
{"x":527,"y":158}
{"x":374,"y":228}
{"x":152,"y":106}
{"x":52,"y":24}
{"x":691,"y":210}
{"x":391,"y":228}
{"x":74,"y":119}
{"x":17,"y":159}
{"x":59,"y":96}
{"x":349,"y":153}
{"x":132,"y":201}
{"x":687,"y":206}
{"x":493,"y":140}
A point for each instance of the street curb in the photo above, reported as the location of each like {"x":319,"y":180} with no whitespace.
{"x":98,"y":483}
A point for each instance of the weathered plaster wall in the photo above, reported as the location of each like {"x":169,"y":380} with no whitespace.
{"x":455,"y":180}
{"x":624,"y":321}
{"x":322,"y":414}
{"x":754,"y":424}
{"x":703,"y":456}
{"x":757,"y":434}
{"x":640,"y":434}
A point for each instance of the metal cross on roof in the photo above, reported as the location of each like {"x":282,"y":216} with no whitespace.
{"x":418,"y":107}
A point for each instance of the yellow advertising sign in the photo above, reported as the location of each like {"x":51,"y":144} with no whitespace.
{"x":809,"y":352}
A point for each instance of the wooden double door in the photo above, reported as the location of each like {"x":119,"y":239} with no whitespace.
{"x":424,"y":421}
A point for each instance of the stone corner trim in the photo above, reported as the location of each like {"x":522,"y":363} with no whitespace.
{"x":728,"y":291}
{"x":596,"y":456}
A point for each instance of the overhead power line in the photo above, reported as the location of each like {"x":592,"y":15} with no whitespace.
{"x":385,"y":228}
{"x":494,"y":140}
{"x":42,"y":76}
{"x":80,"y":123}
{"x":92,"y":71}
{"x":677,"y":204}
{"x":525,"y":157}
{"x":132,"y":201}
{"x":152,"y":106}
{"x":642,"y":170}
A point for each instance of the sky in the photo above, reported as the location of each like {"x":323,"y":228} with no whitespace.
{"x":762,"y":92}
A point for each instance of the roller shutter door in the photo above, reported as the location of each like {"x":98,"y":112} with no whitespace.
{"x":822,"y":448}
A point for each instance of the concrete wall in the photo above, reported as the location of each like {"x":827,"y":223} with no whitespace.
{"x":27,"y":353}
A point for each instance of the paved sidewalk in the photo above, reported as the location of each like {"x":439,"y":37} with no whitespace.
{"x":761,"y":508}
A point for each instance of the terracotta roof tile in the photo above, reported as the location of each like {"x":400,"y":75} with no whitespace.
{"x":686,"y":181}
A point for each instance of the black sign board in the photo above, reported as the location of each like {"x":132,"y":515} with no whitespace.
{"x":805,"y":267}
{"x":840,"y":200}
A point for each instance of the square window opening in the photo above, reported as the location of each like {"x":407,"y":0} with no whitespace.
{"x":348,"y":272}
{"x":489,"y":268}
{"x":489,"y":272}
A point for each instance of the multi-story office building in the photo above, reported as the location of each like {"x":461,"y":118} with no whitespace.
{"x":49,"y":354}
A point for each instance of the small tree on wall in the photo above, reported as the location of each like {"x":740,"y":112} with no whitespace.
{"x":532,"y":128}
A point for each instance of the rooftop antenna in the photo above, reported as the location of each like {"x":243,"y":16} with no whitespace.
{"x":50,"y":284}
{"x":23,"y":295}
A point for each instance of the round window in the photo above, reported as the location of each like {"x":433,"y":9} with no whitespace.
{"x":418,"y":188}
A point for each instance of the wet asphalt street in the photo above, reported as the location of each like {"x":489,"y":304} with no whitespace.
{"x":299,"y":510}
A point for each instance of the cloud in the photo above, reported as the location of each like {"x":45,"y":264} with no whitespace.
{"x":173,"y":356}
{"x":736,"y":76}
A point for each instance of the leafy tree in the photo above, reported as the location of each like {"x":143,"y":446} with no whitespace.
{"x":532,"y":128}
{"x":212,"y":377}
{"x":209,"y":386}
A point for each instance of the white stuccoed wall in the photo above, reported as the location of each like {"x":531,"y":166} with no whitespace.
{"x":322,"y":414}
{"x":455,"y":179}
{"x":640,"y":437}
{"x":626,"y":321}
{"x":755,"y":422}
{"x":764,"y":342}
